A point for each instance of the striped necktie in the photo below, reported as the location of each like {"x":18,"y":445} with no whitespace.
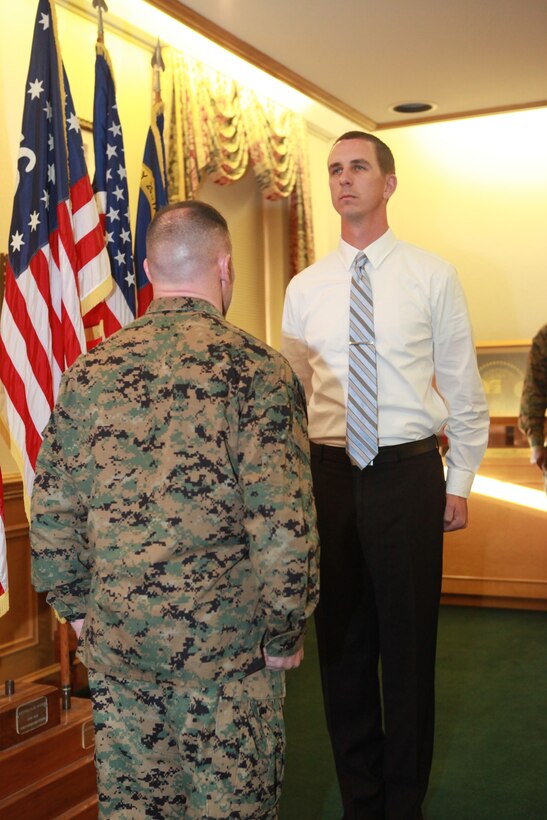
{"x":362,"y":410}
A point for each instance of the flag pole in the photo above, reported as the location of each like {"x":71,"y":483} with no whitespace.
{"x":63,"y":626}
{"x":153,"y":193}
{"x":64,"y":657}
{"x":101,"y":6}
{"x":158,"y":65}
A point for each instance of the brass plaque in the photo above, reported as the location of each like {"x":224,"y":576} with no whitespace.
{"x":31,"y":715}
{"x":88,"y":735}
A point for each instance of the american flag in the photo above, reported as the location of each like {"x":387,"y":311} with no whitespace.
{"x":58,"y":268}
{"x":152,"y":197}
{"x":4,"y":596}
{"x":110,"y":186}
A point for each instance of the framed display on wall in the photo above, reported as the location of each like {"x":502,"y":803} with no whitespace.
{"x":502,"y":367}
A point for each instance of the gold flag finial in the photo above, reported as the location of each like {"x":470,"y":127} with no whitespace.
{"x":158,"y":65}
{"x":101,"y":6}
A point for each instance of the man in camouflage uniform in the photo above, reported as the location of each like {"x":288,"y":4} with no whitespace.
{"x":173,"y":513}
{"x":534,"y":401}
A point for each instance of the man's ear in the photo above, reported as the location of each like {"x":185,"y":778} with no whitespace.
{"x":226,"y":269}
{"x":391,"y":184}
{"x":146,"y":270}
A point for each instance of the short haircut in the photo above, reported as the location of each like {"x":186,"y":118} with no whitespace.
{"x":384,"y":156}
{"x":201,"y":218}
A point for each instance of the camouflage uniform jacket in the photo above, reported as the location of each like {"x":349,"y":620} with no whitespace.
{"x":172,"y":505}
{"x":534,"y":393}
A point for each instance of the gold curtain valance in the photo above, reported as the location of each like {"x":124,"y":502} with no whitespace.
{"x":218,"y":127}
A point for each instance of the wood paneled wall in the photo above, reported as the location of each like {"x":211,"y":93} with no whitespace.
{"x":26,"y":631}
{"x":500,"y":560}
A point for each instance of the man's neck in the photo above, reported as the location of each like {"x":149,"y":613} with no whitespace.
{"x":362,"y":234}
{"x":166,"y":292}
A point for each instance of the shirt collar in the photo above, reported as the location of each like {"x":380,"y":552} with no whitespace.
{"x":181,"y":304}
{"x":376,"y":252}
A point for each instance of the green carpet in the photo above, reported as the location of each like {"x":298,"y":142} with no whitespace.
{"x":490,"y":759}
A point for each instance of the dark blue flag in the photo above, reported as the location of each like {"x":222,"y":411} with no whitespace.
{"x":110,"y":186}
{"x":152,"y":197}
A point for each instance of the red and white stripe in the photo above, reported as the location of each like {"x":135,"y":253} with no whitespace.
{"x":41,"y":330}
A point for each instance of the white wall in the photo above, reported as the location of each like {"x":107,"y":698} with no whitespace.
{"x":475,"y":192}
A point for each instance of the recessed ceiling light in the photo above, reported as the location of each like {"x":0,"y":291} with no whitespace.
{"x":413,"y":107}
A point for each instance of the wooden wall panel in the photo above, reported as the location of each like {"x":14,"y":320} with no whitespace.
{"x":26,"y":637}
{"x":501,"y":558}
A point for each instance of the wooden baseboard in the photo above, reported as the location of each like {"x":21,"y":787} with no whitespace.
{"x":495,"y":602}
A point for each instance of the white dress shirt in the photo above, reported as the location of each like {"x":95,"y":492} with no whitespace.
{"x":422,"y":333}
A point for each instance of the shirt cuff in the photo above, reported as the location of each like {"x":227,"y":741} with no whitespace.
{"x":63,"y":609}
{"x":284,"y":645}
{"x":459,"y":482}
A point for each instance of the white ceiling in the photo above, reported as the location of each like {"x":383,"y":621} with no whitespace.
{"x":465,"y":56}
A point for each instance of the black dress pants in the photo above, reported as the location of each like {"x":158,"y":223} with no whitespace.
{"x":381,"y":533}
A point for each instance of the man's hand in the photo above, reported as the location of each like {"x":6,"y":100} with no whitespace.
{"x":538,"y":455}
{"x":455,"y":513}
{"x":290,"y":662}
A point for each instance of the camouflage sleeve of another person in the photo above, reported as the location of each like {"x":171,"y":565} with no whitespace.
{"x":58,"y":539}
{"x":534,"y":393}
{"x":280,"y":519}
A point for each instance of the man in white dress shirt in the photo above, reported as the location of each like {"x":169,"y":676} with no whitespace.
{"x":381,"y":527}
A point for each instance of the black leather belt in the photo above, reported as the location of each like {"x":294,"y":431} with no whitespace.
{"x":394,"y":452}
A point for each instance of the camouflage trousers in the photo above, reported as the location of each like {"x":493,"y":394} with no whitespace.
{"x":164,"y":751}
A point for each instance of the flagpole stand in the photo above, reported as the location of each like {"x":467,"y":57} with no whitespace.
{"x":26,"y":709}
{"x":64,"y":658}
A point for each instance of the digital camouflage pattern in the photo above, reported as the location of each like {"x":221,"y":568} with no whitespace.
{"x":534,"y":392}
{"x":172,"y":505}
{"x":165,"y":752}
